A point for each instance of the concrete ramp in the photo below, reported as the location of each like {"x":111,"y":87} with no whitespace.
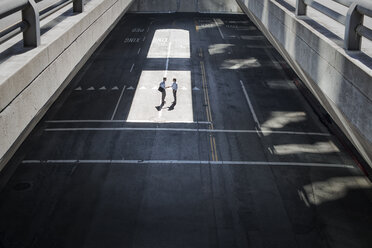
{"x":154,"y":6}
{"x":218,"y":6}
{"x":204,"y":6}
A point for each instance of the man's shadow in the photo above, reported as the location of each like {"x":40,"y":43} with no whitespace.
{"x":171,"y":107}
{"x":160,"y":106}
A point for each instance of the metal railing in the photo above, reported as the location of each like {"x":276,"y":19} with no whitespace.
{"x":353,"y":21}
{"x":30,"y":24}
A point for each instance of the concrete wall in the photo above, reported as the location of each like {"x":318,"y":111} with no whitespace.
{"x":213,"y":6}
{"x":30,"y":79}
{"x":340,"y":80}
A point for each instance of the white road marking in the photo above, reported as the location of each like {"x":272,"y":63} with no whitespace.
{"x":139,"y":50}
{"x":130,"y":88}
{"x":102,"y":88}
{"x":250,"y":105}
{"x":110,"y":121}
{"x":252,"y":37}
{"x":144,"y":38}
{"x":131,"y":69}
{"x":177,"y":129}
{"x":195,"y":88}
{"x":117,"y":104}
{"x":167,"y":61}
{"x":217,"y":25}
{"x":131,"y":40}
{"x":115,"y":88}
{"x":200,"y":162}
{"x":90,"y":88}
{"x":137,"y":30}
{"x":78,"y":88}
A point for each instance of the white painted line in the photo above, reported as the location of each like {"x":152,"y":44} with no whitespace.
{"x":112,"y":121}
{"x":250,"y":105}
{"x":167,"y":61}
{"x":131,"y":69}
{"x":144,"y":38}
{"x":201,"y":162}
{"x":139,"y":50}
{"x":117,"y":104}
{"x":217,"y":25}
{"x":181,"y":130}
{"x":203,"y":122}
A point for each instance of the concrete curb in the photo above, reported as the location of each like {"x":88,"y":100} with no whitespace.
{"x":34,"y":77}
{"x":340,"y":80}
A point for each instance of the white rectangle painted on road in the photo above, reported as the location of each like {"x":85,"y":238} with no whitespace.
{"x":180,"y":40}
{"x":188,"y":162}
{"x":265,"y":132}
{"x":147,"y":97}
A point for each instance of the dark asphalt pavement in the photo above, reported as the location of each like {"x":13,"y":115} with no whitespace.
{"x":241,"y":161}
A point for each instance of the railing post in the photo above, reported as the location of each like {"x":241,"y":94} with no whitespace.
{"x":31,"y":35}
{"x":300,"y":7}
{"x":352,"y":39}
{"x":78,"y":6}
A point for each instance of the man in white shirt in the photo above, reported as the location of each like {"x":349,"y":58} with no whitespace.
{"x":174,"y":88}
{"x":163,"y":94}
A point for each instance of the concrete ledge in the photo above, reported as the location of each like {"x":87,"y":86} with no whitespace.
{"x":340,"y":80}
{"x":29,"y":79}
{"x":204,"y":6}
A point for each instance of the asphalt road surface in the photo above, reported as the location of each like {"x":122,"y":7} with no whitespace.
{"x":241,"y":159}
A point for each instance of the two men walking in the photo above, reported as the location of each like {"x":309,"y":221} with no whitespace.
{"x":162,"y":89}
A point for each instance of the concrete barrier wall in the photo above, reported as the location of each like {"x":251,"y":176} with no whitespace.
{"x":208,"y":6}
{"x":340,"y":80}
{"x":31,"y":78}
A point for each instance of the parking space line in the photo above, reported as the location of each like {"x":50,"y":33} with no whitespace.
{"x":139,"y":50}
{"x":131,"y":69}
{"x":167,"y":61}
{"x":117,"y":104}
{"x":250,"y":105}
{"x":184,"y":130}
{"x":197,"y":162}
{"x":217,"y":25}
{"x":115,"y":121}
{"x":208,"y":111}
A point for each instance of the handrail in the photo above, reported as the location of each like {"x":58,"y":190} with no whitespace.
{"x":354,"y":28}
{"x":30,"y":24}
{"x":353,"y":21}
{"x":8,"y":7}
